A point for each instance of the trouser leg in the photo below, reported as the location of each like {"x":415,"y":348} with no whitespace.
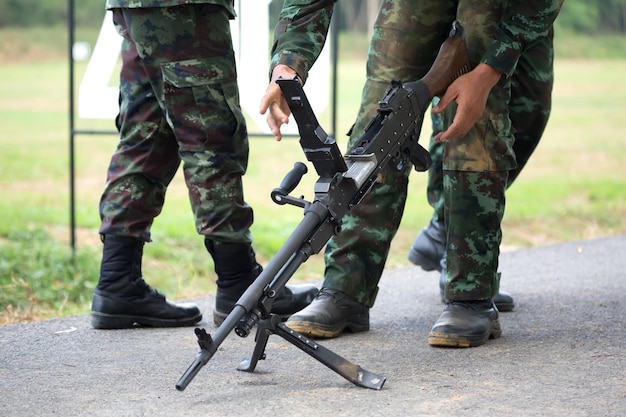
{"x":404,"y":45}
{"x":474,"y":210}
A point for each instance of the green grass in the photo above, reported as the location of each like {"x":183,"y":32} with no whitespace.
{"x":573,"y":188}
{"x":40,"y":277}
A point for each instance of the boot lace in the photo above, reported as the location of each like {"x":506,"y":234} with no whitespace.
{"x":147,"y":289}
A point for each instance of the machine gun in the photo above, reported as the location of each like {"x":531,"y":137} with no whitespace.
{"x":390,"y":139}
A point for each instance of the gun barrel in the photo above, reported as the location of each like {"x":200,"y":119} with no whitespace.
{"x":200,"y":360}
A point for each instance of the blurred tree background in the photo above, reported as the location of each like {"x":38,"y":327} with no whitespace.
{"x":581,"y":16}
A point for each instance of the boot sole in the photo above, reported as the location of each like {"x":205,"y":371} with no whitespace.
{"x":504,"y":307}
{"x":423,"y":262}
{"x":441,"y":339}
{"x":318,"y":331}
{"x":110,"y":321}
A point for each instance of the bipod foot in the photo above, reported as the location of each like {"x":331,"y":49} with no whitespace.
{"x":263,"y":331}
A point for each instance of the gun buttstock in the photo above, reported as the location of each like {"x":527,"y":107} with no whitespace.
{"x":452,"y":61}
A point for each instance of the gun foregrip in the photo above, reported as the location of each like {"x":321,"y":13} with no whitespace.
{"x":419,"y":157}
{"x":289,"y":183}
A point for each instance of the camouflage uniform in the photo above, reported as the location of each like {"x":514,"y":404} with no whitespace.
{"x":407,"y":35}
{"x":179,"y":101}
{"x":529,"y":110}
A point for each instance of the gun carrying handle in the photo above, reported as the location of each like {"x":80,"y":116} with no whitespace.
{"x":452,"y":61}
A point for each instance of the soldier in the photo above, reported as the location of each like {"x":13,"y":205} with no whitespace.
{"x":529,"y":110}
{"x":478,"y":154}
{"x":179,"y":102}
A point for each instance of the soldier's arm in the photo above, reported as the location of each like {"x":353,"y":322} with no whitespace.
{"x":523,"y":24}
{"x":300,"y":34}
{"x":299,"y":37}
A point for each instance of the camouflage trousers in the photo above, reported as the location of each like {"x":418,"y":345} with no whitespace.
{"x":179,"y":102}
{"x":407,"y":35}
{"x":529,"y":111}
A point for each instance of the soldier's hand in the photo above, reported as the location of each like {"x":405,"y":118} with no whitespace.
{"x":470,"y":92}
{"x":274,"y":101}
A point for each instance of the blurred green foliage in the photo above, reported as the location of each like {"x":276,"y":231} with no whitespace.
{"x":581,"y":16}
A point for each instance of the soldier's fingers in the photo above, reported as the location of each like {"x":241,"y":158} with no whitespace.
{"x":273,"y":94}
{"x":280,"y":111}
{"x":457,"y":129}
{"x":274,"y":126}
{"x":265,"y":104}
{"x":449,"y":96}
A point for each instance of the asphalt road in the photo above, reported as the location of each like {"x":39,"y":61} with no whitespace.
{"x":562,"y":353}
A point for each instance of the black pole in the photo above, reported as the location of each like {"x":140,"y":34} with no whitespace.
{"x":334,"y":51}
{"x":70,"y":27}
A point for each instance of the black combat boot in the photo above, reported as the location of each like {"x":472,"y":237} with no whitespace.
{"x":429,"y":246}
{"x":236,"y":268}
{"x":122,"y":299}
{"x":428,"y":252}
{"x":466,"y":324}
{"x":504,"y":301}
{"x":331,"y":313}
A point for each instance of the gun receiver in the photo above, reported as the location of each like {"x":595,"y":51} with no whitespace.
{"x":390,"y":139}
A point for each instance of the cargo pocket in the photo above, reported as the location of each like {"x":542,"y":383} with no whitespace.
{"x":499,"y":141}
{"x":486,"y":147}
{"x":201,"y":101}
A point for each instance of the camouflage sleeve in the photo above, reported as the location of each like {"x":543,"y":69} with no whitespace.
{"x":141,"y":4}
{"x":524,"y":23}
{"x":300,"y":34}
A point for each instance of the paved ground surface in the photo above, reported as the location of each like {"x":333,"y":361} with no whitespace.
{"x":562,"y":353}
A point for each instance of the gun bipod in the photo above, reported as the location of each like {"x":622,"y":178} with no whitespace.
{"x":343,"y":367}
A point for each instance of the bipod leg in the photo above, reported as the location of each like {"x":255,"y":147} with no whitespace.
{"x":350,"y":371}
{"x":264,"y":329}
